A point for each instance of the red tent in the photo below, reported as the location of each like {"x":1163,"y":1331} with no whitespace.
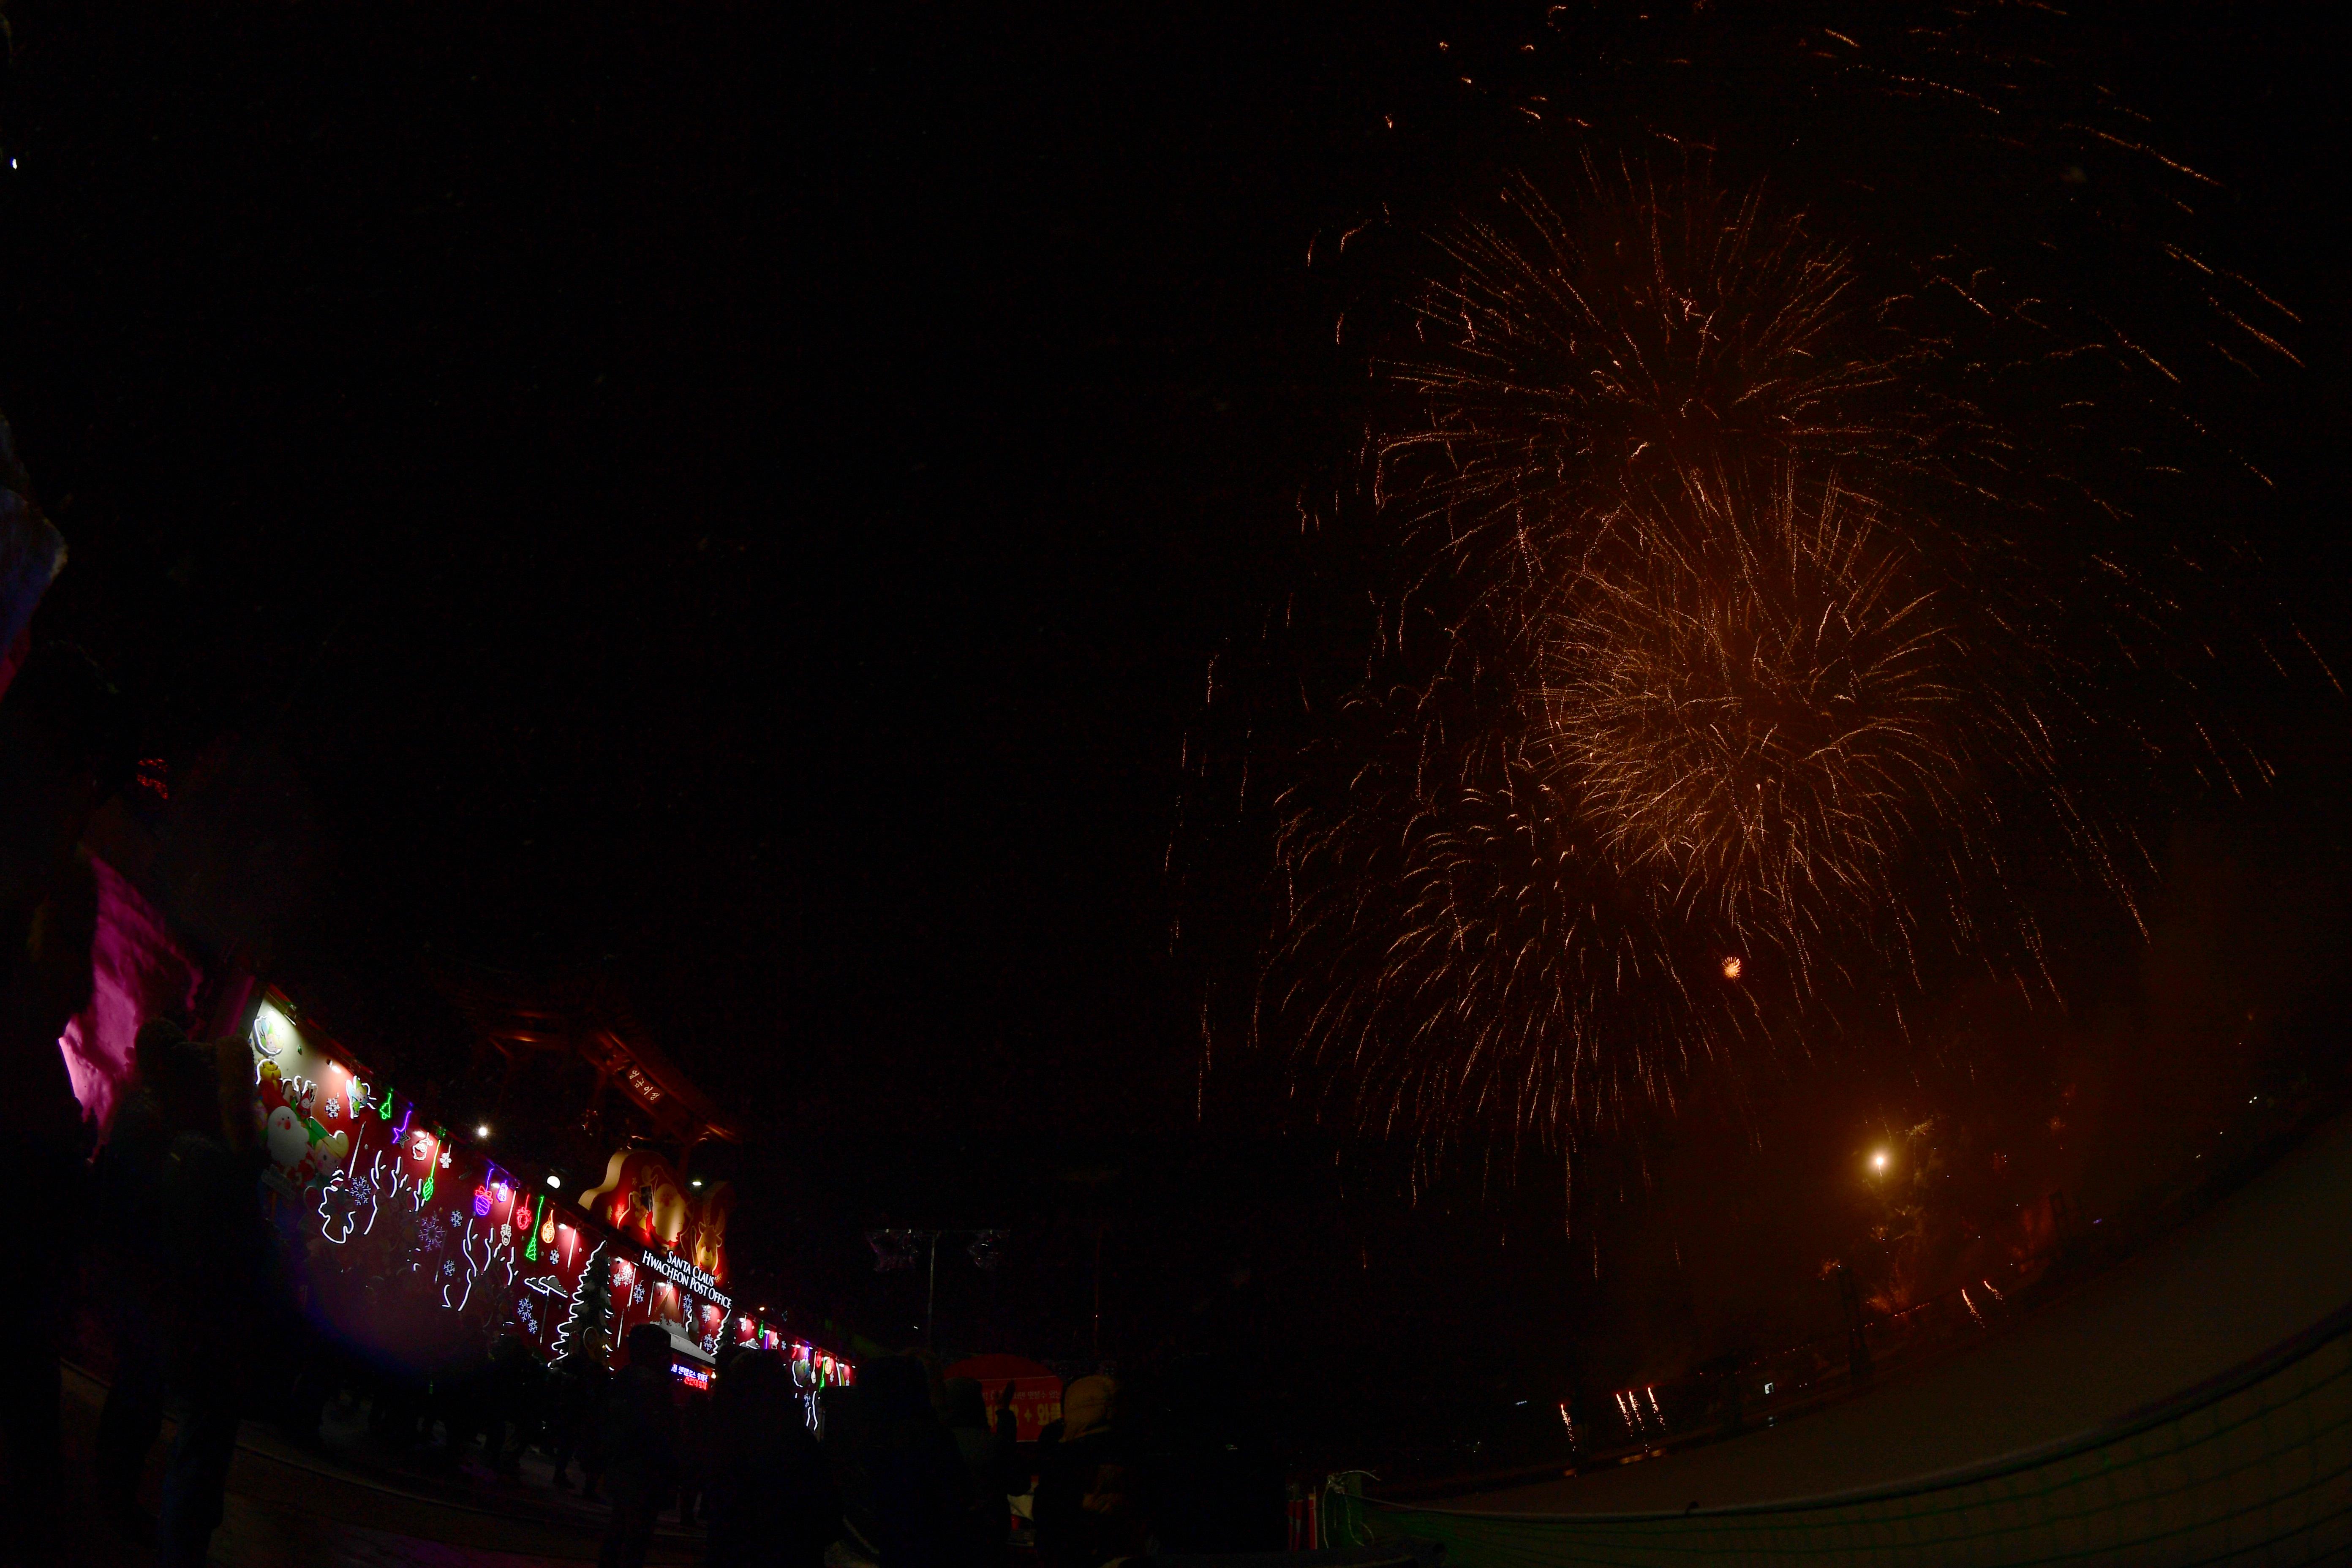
{"x":1036,"y":1393}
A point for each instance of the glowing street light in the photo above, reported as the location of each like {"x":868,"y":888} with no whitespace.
{"x":1732,"y":966}
{"x":482,"y":1129}
{"x":1878,"y":1162}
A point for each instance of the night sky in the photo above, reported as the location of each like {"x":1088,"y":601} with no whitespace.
{"x":747,"y":504}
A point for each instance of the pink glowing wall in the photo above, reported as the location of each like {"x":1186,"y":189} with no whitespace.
{"x":137,"y":971}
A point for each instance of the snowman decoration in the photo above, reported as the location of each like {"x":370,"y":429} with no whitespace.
{"x":302,"y":1152}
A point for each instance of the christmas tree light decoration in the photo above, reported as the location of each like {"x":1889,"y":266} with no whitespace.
{"x":581,"y":1334}
{"x":530,"y":1247}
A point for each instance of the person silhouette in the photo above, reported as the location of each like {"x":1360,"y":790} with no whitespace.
{"x":640,"y":1447}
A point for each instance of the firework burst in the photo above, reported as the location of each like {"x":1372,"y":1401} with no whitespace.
{"x":1462,"y":954}
{"x":1747,"y":607}
{"x":1573,"y":363}
{"x":1687,"y":713}
{"x":1761,"y":716}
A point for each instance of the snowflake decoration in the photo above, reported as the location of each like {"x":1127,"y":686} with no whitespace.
{"x":362,"y":1190}
{"x":432,"y":1231}
{"x":334,"y":1108}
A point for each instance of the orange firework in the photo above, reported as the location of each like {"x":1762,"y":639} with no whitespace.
{"x":1575,"y":371}
{"x":1741,"y":610}
{"x":1462,"y":954}
{"x":1685,"y":702}
{"x":1764,"y":715}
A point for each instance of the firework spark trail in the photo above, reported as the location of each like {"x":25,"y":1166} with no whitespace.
{"x":1573,"y":365}
{"x":1701,"y":727}
{"x":1761,"y":716}
{"x":1613,"y":396}
{"x":1743,"y":606}
{"x":1490,"y":967}
{"x":1691,"y":710}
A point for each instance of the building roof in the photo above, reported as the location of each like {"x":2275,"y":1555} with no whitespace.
{"x":585,"y":1015}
